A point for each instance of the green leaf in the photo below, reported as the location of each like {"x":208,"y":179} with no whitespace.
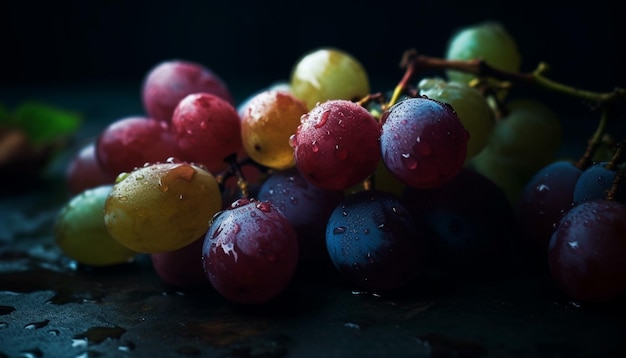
{"x":43,"y":123}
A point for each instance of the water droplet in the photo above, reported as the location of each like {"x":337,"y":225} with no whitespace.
{"x":366,"y":231}
{"x":4,"y":325}
{"x":323,"y":119}
{"x":314,"y":147}
{"x":203,"y":125}
{"x":236,"y":228}
{"x":293,"y":142}
{"x":129,"y":346}
{"x":351,"y":325}
{"x":573,"y":244}
{"x":54,"y":332}
{"x":409,"y":161}
{"x":37,"y":325}
{"x":264,"y":206}
{"x":35,"y":353}
{"x":339,"y":230}
{"x":293,"y":200}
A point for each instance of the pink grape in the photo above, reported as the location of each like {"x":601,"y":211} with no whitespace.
{"x":336,"y":144}
{"x":423,"y":142}
{"x":84,"y":171}
{"x":131,"y":142}
{"x":207,"y":129}
{"x":168,"y":82}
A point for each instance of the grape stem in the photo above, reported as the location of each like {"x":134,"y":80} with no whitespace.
{"x":414,"y":62}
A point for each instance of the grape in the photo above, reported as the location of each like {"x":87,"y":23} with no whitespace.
{"x":131,"y":142}
{"x":250,"y":252}
{"x":306,"y":207}
{"x":282,"y":86}
{"x":182,"y":267}
{"x":268,"y":121}
{"x":587,"y":251}
{"x":544,"y":200}
{"x":84,"y":172}
{"x":207,"y":129}
{"x":524,"y":141}
{"x":168,"y":82}
{"x":469,"y":104}
{"x":595,"y":182}
{"x":423,"y":142}
{"x":327,"y":74}
{"x":81,"y":234}
{"x":373,"y":241}
{"x":468,"y":220}
{"x":161,"y":207}
{"x":487,"y":40}
{"x":327,"y":150}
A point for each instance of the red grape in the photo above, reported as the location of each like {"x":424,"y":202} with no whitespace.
{"x":169,"y":82}
{"x":250,"y":252}
{"x":587,"y":251}
{"x":84,"y":171}
{"x":131,"y":142}
{"x":181,"y":267}
{"x":207,"y":129}
{"x":336,"y":145}
{"x":423,"y":142}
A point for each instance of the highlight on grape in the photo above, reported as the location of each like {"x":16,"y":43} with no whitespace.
{"x":448,"y":175}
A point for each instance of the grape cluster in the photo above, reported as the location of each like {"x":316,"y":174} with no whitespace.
{"x":437,"y":175}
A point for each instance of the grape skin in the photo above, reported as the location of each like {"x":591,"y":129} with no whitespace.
{"x":373,"y":241}
{"x":168,"y":82}
{"x":131,"y":142}
{"x":268,"y":121}
{"x":207,"y":129}
{"x":84,"y":171}
{"x":305,"y":206}
{"x":250,"y":252}
{"x":327,"y":74}
{"x":595,"y":182}
{"x":182,"y":267}
{"x":544,"y":200}
{"x":423,"y":142}
{"x":328,"y":153}
{"x":587,"y":251}
{"x":81,"y":233}
{"x":161,"y":207}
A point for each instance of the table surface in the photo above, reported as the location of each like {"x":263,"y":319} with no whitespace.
{"x":50,"y":308}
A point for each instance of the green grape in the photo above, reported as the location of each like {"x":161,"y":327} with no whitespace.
{"x":487,"y":40}
{"x":328,"y":73}
{"x":525,"y":140}
{"x":267,"y":122}
{"x":469,"y":104}
{"x":81,"y":234}
{"x":161,"y":207}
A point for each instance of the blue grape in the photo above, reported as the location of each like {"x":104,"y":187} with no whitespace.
{"x":468,"y":222}
{"x":595,"y":182}
{"x":373,"y":241}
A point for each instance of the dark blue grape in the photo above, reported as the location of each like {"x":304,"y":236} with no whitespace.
{"x":468,"y":222}
{"x":306,"y":206}
{"x":373,"y":241}
{"x":595,"y":182}
{"x":547,"y":196}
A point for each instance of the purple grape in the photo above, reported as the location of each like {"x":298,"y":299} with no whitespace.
{"x":306,"y":206}
{"x":181,"y":267}
{"x":543,"y":202}
{"x":423,"y":142}
{"x":373,"y":241}
{"x":587,"y":251}
{"x":250,"y":252}
{"x":468,"y":221}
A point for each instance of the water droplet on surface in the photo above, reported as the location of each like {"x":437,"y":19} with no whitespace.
{"x":264,"y":206}
{"x":339,"y":230}
{"x":4,"y":325}
{"x":573,"y":244}
{"x":37,"y":325}
{"x":314,"y":147}
{"x":323,"y":119}
{"x":409,"y":161}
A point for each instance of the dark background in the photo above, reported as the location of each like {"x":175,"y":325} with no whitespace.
{"x":115,"y":41}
